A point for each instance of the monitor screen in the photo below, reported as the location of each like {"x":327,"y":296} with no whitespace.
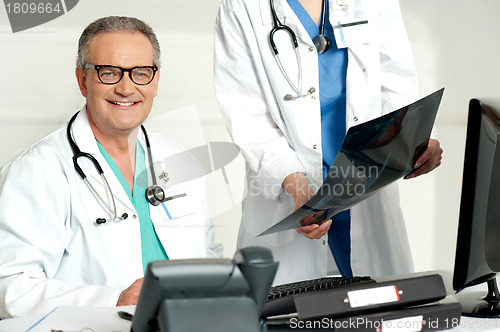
{"x":477,"y":258}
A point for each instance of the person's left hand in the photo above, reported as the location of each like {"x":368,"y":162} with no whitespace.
{"x":314,"y":231}
{"x":130,"y":296}
{"x":429,"y":160}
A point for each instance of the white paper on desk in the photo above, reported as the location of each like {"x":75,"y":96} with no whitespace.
{"x":100,"y":319}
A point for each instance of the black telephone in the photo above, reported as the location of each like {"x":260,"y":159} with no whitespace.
{"x":216,"y":294}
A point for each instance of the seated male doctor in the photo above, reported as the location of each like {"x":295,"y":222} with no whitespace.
{"x":71,"y":236}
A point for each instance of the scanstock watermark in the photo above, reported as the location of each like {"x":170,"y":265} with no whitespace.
{"x":24,"y":15}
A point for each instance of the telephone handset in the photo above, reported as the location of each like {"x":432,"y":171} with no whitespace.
{"x":258,"y":267}
{"x":179,"y":295}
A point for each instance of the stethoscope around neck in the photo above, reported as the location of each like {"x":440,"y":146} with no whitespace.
{"x":320,"y":41}
{"x":154,"y":194}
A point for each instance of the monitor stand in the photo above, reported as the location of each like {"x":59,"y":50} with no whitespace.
{"x":475,"y":304}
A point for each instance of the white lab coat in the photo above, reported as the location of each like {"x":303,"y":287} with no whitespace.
{"x":279,"y":137}
{"x":52,"y":251}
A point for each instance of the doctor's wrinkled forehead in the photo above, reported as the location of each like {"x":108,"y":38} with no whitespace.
{"x":115,"y":24}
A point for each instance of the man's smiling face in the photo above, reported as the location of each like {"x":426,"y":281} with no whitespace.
{"x":118,"y":109}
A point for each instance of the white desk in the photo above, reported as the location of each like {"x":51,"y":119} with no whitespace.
{"x":72,"y":319}
{"x":478,"y":324}
{"x":99,"y":319}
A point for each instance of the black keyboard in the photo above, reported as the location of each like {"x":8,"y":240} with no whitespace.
{"x":280,"y":298}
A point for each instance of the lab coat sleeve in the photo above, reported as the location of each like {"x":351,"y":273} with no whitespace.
{"x":247,"y":102}
{"x":398,"y":74}
{"x":34,"y":212}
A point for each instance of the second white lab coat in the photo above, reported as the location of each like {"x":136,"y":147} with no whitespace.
{"x":52,"y":252}
{"x":278,"y":137}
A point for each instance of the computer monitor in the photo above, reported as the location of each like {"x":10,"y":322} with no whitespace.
{"x":477,"y":258}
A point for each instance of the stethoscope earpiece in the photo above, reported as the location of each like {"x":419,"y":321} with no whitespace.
{"x":101,"y":221}
{"x":290,"y":97}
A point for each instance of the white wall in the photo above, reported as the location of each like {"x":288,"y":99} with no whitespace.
{"x":39,"y":91}
{"x":455,"y":44}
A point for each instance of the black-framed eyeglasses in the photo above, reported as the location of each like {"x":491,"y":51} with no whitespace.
{"x":140,"y":75}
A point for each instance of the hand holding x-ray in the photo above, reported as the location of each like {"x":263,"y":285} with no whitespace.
{"x":373,"y":155}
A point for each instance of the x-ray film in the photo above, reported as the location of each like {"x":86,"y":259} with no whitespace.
{"x":373,"y":155}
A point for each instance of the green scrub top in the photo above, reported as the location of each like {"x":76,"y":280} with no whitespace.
{"x":151,"y":247}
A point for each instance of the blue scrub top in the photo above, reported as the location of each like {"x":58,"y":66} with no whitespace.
{"x":332,"y":95}
{"x":151,"y":246}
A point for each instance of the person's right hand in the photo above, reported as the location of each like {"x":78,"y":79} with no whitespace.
{"x":297,"y":186}
{"x":130,"y":296}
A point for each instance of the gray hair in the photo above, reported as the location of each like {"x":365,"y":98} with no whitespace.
{"x":115,"y":24}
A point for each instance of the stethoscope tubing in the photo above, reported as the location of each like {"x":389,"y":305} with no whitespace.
{"x":77,"y":153}
{"x":293,"y":37}
{"x":279,"y":26}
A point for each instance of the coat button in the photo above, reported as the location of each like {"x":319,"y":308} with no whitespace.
{"x":315,"y":146}
{"x":134,"y":216}
{"x":324,"y":242}
{"x":355,"y":118}
{"x":311,"y":48}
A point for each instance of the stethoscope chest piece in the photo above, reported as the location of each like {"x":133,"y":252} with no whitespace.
{"x":322,"y":43}
{"x":155,"y":195}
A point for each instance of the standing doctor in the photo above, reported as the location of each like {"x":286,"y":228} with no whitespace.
{"x":288,"y":101}
{"x":66,"y":240}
